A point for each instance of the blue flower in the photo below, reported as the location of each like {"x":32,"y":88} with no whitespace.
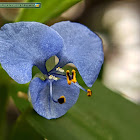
{"x":27,"y":44}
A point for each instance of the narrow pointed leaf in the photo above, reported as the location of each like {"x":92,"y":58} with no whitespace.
{"x":49,"y":9}
{"x":104,"y":116}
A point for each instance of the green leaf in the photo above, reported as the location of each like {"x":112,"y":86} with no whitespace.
{"x":13,"y":90}
{"x":19,"y":93}
{"x":3,"y":103}
{"x":4,"y":77}
{"x":103,"y":116}
{"x":24,"y":131}
{"x":49,"y":9}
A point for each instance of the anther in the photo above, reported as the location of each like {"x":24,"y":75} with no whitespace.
{"x":59,"y":69}
{"x":53,"y":77}
{"x":68,"y":77}
{"x":89,"y":92}
{"x":74,"y":76}
{"x":62,"y":100}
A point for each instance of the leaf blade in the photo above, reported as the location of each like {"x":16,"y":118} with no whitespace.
{"x":50,"y":9}
{"x":98,"y":117}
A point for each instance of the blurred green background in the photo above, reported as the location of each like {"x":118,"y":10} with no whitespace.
{"x":113,"y":112}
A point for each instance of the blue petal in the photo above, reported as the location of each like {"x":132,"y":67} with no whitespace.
{"x":82,"y":47}
{"x":40,"y":97}
{"x":24,"y":44}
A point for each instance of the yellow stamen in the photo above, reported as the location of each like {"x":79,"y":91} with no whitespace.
{"x":68,"y":78}
{"x":74,"y":76}
{"x":62,"y":100}
{"x":89,"y":92}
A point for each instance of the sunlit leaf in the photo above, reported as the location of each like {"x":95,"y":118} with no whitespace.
{"x":49,"y":9}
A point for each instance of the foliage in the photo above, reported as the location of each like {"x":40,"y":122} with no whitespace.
{"x":105,"y":115}
{"x":49,"y":9}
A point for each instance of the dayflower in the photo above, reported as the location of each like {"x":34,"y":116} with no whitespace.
{"x":27,"y":44}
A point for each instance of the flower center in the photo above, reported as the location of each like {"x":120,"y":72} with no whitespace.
{"x":59,"y":73}
{"x":71,"y":78}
